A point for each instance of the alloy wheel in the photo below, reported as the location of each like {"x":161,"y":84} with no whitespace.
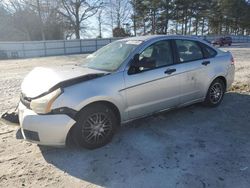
{"x":216,"y":93}
{"x":96,"y":128}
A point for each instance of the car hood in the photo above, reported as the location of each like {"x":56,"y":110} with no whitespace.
{"x":42,"y":80}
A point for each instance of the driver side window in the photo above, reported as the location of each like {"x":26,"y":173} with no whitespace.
{"x":147,"y":53}
{"x":159,"y":52}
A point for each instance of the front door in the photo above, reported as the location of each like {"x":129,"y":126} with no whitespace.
{"x":153,"y":89}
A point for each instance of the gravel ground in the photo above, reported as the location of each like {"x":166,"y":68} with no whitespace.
{"x":190,"y":147}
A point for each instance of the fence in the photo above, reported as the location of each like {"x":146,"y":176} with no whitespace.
{"x":50,"y":48}
{"x":29,"y":49}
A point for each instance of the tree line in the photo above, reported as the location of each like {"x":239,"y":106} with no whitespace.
{"x":192,"y":17}
{"x":69,"y":19}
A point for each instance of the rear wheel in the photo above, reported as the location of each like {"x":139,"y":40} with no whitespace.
{"x":95,"y":127}
{"x":215,"y":93}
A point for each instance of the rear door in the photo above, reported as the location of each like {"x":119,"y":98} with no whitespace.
{"x":194,"y":68}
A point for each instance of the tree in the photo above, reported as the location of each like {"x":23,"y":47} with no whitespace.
{"x":139,"y":16}
{"x":27,"y":23}
{"x":134,"y":4}
{"x":166,"y":15}
{"x":40,"y":17}
{"x":51,"y":22}
{"x":99,"y":19}
{"x":77,"y":11}
{"x":119,"y":32}
{"x":47,"y":19}
{"x":8,"y":32}
{"x":118,"y":13}
{"x":24,"y":19}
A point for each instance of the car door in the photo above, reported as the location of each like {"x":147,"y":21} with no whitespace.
{"x":194,"y":68}
{"x":153,"y":89}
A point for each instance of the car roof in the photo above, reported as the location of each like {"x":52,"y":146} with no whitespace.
{"x":151,"y":37}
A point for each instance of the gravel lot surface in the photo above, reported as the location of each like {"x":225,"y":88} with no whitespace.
{"x":190,"y":147}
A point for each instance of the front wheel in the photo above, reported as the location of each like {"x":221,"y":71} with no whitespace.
{"x":215,"y":93}
{"x":95,"y":126}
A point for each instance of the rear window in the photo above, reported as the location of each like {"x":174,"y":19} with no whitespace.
{"x":208,"y":51}
{"x":188,"y":50}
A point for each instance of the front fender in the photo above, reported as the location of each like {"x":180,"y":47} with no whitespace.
{"x":102,"y":89}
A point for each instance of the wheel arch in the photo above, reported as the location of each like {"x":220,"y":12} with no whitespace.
{"x":221,"y":78}
{"x":208,"y":103}
{"x":107,"y":103}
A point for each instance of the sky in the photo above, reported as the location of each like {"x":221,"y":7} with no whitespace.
{"x":92,"y":30}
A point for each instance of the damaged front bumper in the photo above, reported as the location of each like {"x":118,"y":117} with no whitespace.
{"x":47,"y":129}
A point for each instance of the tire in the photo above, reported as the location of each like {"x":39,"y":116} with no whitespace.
{"x":215,"y":93}
{"x":95,"y":126}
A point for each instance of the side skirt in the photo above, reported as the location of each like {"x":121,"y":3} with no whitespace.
{"x":164,"y":110}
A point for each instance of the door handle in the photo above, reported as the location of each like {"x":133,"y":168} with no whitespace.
{"x":169,"y":71}
{"x":205,"y":63}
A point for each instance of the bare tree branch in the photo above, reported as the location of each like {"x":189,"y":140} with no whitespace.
{"x":77,"y":11}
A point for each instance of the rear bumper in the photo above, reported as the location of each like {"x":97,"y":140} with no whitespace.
{"x":45,"y":129}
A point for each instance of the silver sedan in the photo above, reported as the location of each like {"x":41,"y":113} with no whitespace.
{"x":125,"y":80}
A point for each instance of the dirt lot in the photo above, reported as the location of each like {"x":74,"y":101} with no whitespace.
{"x":190,"y":147}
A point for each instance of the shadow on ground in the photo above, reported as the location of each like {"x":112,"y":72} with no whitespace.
{"x":190,"y":147}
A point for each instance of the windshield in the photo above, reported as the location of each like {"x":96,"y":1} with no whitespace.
{"x":110,"y":57}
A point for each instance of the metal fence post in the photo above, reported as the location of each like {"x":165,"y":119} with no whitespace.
{"x":95,"y":44}
{"x":45,"y":48}
{"x":24,"y":54}
{"x":64,"y":47}
{"x":80,"y":45}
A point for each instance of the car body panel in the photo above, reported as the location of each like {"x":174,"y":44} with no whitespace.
{"x":192,"y":80}
{"x":151,"y":91}
{"x":52,"y":129}
{"x":41,"y":79}
{"x":100,"y":89}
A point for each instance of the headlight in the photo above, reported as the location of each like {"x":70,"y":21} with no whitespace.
{"x":43,"y":105}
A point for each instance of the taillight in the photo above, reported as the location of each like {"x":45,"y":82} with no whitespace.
{"x":232,"y":60}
